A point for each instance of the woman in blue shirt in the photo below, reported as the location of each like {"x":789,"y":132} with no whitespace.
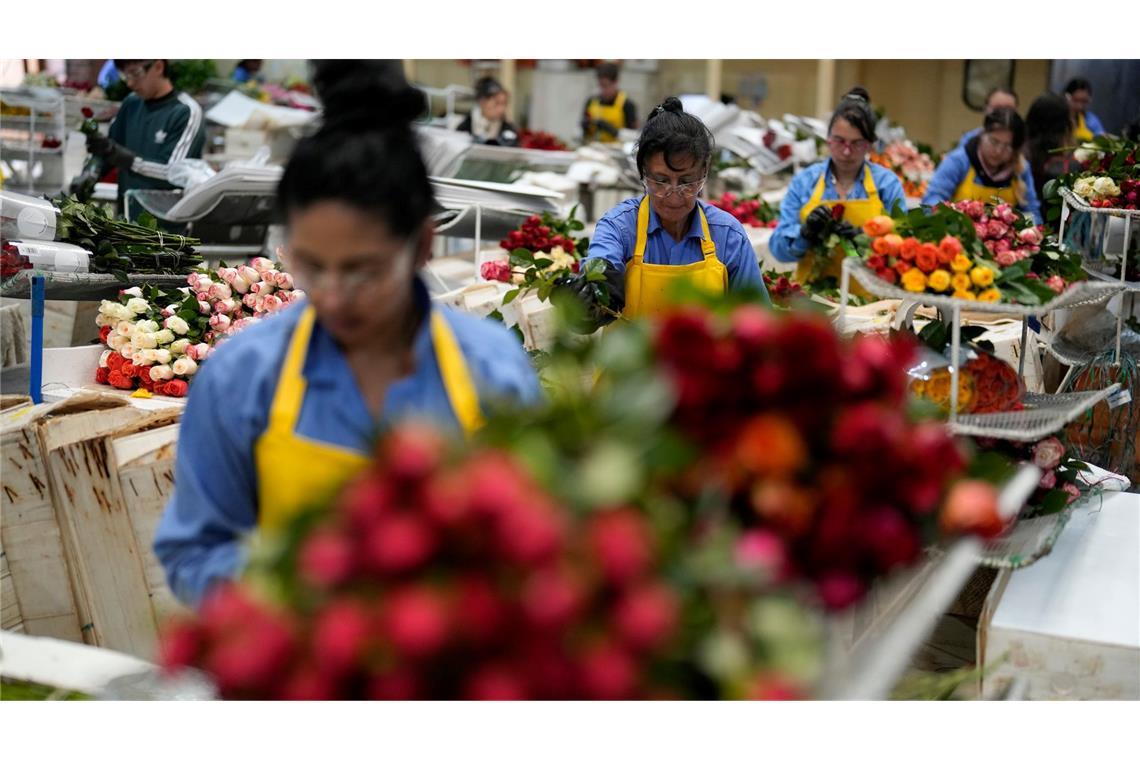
{"x":845,"y":179}
{"x":650,"y":243}
{"x":286,"y":411}
{"x":989,"y":167}
{"x":998,"y":97}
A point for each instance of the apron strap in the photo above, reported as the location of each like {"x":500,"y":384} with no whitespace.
{"x":642,"y":230}
{"x":869,"y":182}
{"x":816,"y":196}
{"x":290,"y":393}
{"x":708,"y":248}
{"x":456,"y":378}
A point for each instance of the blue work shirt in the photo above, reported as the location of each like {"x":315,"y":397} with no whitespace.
{"x":615,"y":238}
{"x":214,"y":504}
{"x":108,"y":75}
{"x":786,"y":244}
{"x":952,"y":172}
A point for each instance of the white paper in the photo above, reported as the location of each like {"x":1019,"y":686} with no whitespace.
{"x":240,"y":111}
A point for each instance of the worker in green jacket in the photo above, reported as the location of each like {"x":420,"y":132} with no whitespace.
{"x":156,"y":127}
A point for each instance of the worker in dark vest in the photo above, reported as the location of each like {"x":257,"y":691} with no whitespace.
{"x":610,"y":110}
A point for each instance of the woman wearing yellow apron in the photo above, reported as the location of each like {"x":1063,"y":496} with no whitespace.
{"x":286,"y":411}
{"x":845,"y":179}
{"x":1086,"y":125}
{"x":667,"y":235}
{"x":989,"y":167}
{"x":610,"y":111}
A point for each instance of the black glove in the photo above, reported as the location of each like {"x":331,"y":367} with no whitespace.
{"x":815,"y":226}
{"x":83,"y":185}
{"x":846,"y":230}
{"x":604,"y":126}
{"x":110,"y":151}
{"x":603,"y":299}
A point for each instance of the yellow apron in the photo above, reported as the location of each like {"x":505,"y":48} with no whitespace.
{"x":614,"y":114}
{"x":294,"y":472}
{"x":1081,"y":131}
{"x":647,"y":285}
{"x":856,"y":212}
{"x":969,"y":190}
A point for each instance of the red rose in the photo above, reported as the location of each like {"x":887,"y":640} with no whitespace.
{"x":101,"y":375}
{"x":399,"y":542}
{"x":620,"y":539}
{"x":115,"y":361}
{"x":130,"y":370}
{"x":416,"y":621}
{"x":890,"y":276}
{"x":837,"y":211}
{"x":340,"y":635}
{"x":116,"y":379}
{"x":646,"y":616}
{"x":495,"y":683}
{"x":175,"y":388}
{"x":839,"y":590}
{"x":902,"y":267}
{"x":326,"y":558}
{"x":103,"y":333}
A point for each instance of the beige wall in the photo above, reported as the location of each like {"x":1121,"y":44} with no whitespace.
{"x":925,"y":96}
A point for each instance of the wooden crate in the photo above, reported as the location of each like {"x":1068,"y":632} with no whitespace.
{"x":108,"y":566}
{"x":145,"y":464}
{"x":34,"y":541}
{"x":11,"y":619}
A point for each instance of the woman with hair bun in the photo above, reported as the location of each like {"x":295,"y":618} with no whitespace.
{"x":287,"y":410}
{"x":846,"y":179}
{"x":666,"y":235}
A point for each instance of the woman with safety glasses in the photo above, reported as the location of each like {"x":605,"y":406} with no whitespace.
{"x":845,"y":179}
{"x":288,"y":409}
{"x":989,"y":167}
{"x":650,"y":243}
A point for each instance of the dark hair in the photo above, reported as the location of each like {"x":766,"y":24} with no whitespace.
{"x":1077,"y":84}
{"x":1006,"y":118}
{"x":672,"y":132}
{"x":1003,"y":89}
{"x":608,"y":71}
{"x":855,"y":109}
{"x":122,"y":63}
{"x":487,"y":87}
{"x":365,"y":152}
{"x":1047,"y":127}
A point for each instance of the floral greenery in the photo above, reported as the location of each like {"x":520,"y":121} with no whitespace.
{"x":121,"y":247}
{"x":1104,"y":156}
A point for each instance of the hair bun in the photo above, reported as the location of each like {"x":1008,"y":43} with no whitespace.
{"x":670,"y":104}
{"x":858,"y":93}
{"x":366,"y":94}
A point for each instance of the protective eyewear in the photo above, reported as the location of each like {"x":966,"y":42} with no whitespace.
{"x":838,"y":144}
{"x":136,"y":70}
{"x":664,"y":189}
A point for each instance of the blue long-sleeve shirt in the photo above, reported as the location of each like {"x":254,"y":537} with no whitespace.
{"x":952,"y":172}
{"x":199,"y":540}
{"x":615,"y":238}
{"x":786,"y":244}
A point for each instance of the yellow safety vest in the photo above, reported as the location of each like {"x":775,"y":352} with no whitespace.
{"x":613,"y":114}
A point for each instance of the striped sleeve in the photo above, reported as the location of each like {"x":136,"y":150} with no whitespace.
{"x":186,"y":124}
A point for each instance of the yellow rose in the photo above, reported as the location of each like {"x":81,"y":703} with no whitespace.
{"x":965,"y":295}
{"x":939,"y":280}
{"x":961,"y":263}
{"x":993,"y":295}
{"x":914,"y":280}
{"x":960,"y":281}
{"x":983,"y":277}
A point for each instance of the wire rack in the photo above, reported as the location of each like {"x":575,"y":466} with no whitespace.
{"x":1079,"y":204}
{"x":1087,"y":293}
{"x":78,"y":286}
{"x":1044,"y":415}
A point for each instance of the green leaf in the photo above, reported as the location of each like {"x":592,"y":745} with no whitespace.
{"x":935,"y":334}
{"x":576,"y":225}
{"x":1054,"y":501}
{"x":147,"y":220}
{"x":510,"y":296}
{"x":521,"y":257}
{"x":496,"y":316}
{"x":541,"y":262}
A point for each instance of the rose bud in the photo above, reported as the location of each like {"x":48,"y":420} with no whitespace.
{"x":308,"y":684}
{"x":161,"y":373}
{"x":399,"y":542}
{"x":551,"y":599}
{"x":180,"y":645}
{"x":262,"y":264}
{"x":608,"y":673}
{"x":219,"y":291}
{"x":340,"y":635}
{"x":185,"y":366}
{"x":621,"y":541}
{"x":646,"y":616}
{"x":249,"y":274}
{"x":415,"y":621}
